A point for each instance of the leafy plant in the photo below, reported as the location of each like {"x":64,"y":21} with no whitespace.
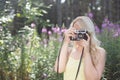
{"x":110,"y":41}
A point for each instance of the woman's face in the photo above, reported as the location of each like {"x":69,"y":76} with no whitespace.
{"x":77,"y":26}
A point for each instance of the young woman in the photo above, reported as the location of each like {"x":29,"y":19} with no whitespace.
{"x":93,"y":60}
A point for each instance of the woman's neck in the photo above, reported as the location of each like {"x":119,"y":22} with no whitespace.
{"x":78,"y":48}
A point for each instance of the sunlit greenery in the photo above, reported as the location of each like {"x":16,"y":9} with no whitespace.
{"x":29,"y":44}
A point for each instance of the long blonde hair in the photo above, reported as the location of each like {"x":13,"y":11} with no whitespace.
{"x":88,"y":25}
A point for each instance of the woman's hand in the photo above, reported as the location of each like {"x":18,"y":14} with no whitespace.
{"x":69,"y":33}
{"x":86,"y":44}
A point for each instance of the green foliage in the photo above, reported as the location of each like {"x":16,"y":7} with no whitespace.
{"x":112,"y":47}
{"x":6,"y":47}
{"x":29,"y":57}
{"x":16,"y":14}
{"x":26,"y":56}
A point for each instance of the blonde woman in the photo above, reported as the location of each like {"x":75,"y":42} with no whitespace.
{"x":93,"y":60}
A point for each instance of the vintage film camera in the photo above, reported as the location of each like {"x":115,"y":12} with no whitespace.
{"x":80,"y":34}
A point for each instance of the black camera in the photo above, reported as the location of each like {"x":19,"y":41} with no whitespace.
{"x":79,"y":35}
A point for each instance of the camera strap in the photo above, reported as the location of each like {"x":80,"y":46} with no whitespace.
{"x":59,"y":58}
{"x":79,"y":64}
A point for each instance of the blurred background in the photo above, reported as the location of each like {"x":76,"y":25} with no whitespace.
{"x":31,"y":34}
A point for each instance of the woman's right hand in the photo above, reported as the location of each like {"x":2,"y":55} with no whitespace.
{"x":69,"y":33}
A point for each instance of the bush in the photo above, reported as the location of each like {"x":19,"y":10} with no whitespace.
{"x":111,"y":42}
{"x":27,"y":56}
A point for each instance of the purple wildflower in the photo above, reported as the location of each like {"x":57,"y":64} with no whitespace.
{"x":118,"y":30}
{"x":57,"y":29}
{"x":90,"y":14}
{"x":97,"y":29}
{"x":54,"y":29}
{"x":63,"y":30}
{"x":104,"y":25}
{"x":33,"y":25}
{"x":117,"y":25}
{"x":106,"y":20}
{"x":44,"y":30}
{"x":60,"y":39}
{"x":111,"y":25}
{"x":59,"y":32}
{"x":49,"y":32}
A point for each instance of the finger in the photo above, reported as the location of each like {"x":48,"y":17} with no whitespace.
{"x":88,"y":37}
{"x":72,"y":35}
{"x":71,"y":32}
{"x":72,"y":28}
{"x":84,"y":41}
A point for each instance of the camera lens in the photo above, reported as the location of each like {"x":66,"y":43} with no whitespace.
{"x":80,"y":35}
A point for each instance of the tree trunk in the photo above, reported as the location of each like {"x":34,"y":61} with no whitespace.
{"x":59,"y":13}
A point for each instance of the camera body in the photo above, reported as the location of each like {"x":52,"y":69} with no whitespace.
{"x":80,"y":34}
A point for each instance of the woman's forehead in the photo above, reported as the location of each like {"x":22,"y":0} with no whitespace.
{"x":77,"y":25}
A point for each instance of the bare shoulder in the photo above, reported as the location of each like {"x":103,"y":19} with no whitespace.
{"x":101,"y":52}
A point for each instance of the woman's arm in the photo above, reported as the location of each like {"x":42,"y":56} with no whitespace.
{"x":94,"y":72}
{"x":62,"y":58}
{"x":64,"y":53}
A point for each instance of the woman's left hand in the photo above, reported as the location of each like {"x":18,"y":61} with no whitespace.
{"x":86,"y":44}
